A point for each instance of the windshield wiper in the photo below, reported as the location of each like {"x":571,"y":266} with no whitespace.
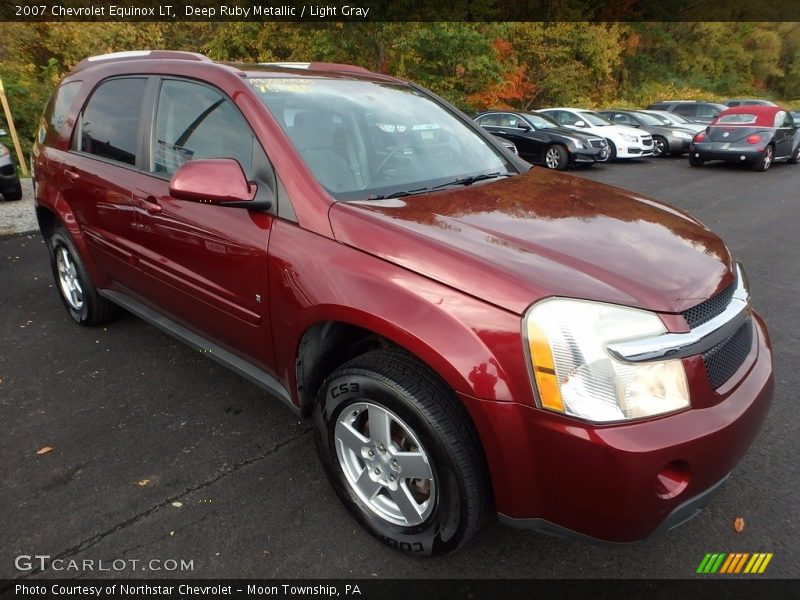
{"x":398,"y":194}
{"x":472,"y":179}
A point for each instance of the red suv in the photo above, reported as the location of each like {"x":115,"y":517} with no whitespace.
{"x":465,"y":331}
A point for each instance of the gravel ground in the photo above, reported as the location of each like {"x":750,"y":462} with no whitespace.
{"x":19,"y":216}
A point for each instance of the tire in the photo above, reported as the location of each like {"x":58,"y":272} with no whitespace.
{"x":15,"y":195}
{"x":556,"y":157}
{"x":612,"y":151}
{"x":795,"y":157}
{"x":74,"y":284}
{"x":765,"y":162}
{"x":660,"y":146}
{"x":695,"y":161}
{"x":444,"y":507}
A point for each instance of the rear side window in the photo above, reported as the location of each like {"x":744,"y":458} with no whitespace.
{"x":56,"y":113}
{"x":706,"y":110}
{"x":109,"y":125}
{"x":687,"y":110}
{"x":194,"y":121}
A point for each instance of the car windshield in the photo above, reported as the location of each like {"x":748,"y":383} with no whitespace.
{"x":737,"y":119}
{"x":368,"y":140}
{"x":594,"y":118}
{"x":649,"y":119}
{"x":541,"y":121}
{"x":672,"y":118}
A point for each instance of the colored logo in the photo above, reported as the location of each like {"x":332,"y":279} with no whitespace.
{"x":734,"y":563}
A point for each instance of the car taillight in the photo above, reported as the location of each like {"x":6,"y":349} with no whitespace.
{"x":700,"y":137}
{"x":753,"y":139}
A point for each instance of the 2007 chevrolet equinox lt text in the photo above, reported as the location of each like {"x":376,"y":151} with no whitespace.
{"x":464,"y":330}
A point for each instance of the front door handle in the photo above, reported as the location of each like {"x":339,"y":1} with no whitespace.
{"x":151,"y":205}
{"x":72,"y":176}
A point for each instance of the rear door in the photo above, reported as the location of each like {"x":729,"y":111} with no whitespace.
{"x":100,"y":171}
{"x":206,"y":265}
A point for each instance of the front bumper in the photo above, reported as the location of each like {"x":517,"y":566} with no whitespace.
{"x":563,"y":475}
{"x":634,"y":151}
{"x":588,"y":155}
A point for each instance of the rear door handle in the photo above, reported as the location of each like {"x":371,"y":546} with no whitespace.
{"x":72,"y":176}
{"x":151,"y":205}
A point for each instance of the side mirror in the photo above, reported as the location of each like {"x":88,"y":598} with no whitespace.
{"x":523,"y":126}
{"x":580,"y":124}
{"x":219,"y":181}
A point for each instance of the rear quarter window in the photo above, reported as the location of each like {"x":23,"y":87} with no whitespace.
{"x":55,"y":123}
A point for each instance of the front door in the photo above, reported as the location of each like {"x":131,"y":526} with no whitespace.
{"x":206,"y":264}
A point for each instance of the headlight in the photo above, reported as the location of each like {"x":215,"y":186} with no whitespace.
{"x":629,"y":138}
{"x":682,"y":135}
{"x":576,"y":376}
{"x":3,"y":151}
{"x":578,"y":143}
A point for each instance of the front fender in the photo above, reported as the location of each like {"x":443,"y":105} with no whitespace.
{"x":474,"y":346}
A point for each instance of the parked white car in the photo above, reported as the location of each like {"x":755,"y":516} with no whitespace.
{"x":623,"y":142}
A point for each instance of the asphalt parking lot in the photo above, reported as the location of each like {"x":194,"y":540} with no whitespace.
{"x":158,"y":453}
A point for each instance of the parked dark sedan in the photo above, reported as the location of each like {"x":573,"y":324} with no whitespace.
{"x":758,"y":135}
{"x":667,"y":139}
{"x":539,"y":139}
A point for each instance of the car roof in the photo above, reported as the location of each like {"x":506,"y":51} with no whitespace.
{"x":765,"y":114}
{"x":270,"y":69}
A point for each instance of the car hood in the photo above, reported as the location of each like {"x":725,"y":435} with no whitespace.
{"x":573,"y":133}
{"x":620,"y":129}
{"x":516,"y":240}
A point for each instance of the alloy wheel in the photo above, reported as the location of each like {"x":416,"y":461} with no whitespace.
{"x":552,"y":158}
{"x":385,"y":464}
{"x":68,"y":278}
{"x":660,"y":147}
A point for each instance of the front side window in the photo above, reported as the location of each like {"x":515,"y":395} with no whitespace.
{"x":109,"y":125}
{"x":707,"y":111}
{"x":194,"y":121}
{"x":364,"y":139}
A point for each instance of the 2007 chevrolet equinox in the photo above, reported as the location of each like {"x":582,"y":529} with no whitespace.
{"x":464,"y":330}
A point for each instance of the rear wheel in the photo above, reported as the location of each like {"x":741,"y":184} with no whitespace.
{"x":556,"y":157}
{"x":695,"y":161}
{"x":401,"y":453}
{"x":765,"y":162}
{"x":74,"y":283}
{"x":660,"y":146}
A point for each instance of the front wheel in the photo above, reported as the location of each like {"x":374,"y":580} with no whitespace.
{"x":401,"y":453}
{"x":765,"y":162}
{"x":660,"y":147}
{"x":612,"y":151}
{"x":556,"y":157}
{"x":795,"y":157}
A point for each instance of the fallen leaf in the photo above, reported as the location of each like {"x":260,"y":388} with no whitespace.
{"x":177,"y":504}
{"x":143,"y":482}
{"x":44,"y":450}
{"x":267,"y":552}
{"x":738,"y":524}
{"x":172,"y":533}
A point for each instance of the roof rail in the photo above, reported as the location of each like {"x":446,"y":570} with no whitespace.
{"x":139,"y":54}
{"x":319,"y":66}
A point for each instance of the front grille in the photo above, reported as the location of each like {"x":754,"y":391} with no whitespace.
{"x":647,"y":142}
{"x":725,"y":358}
{"x":7,"y":170}
{"x":705,"y":311}
{"x":598,"y":143}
